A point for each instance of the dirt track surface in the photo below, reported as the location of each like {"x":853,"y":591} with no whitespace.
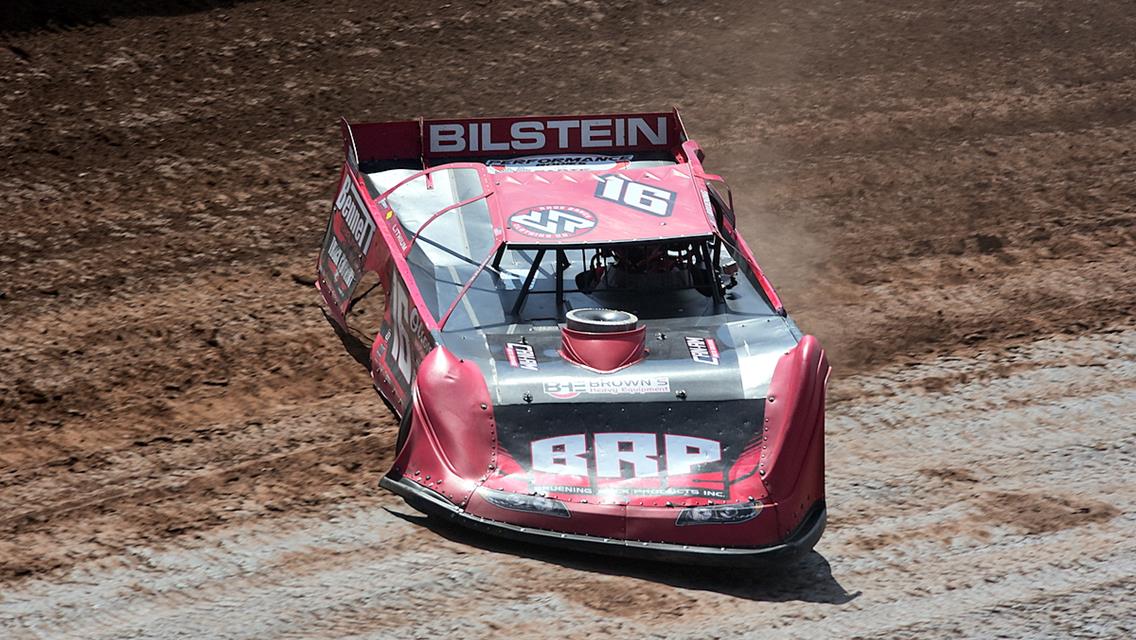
{"x":943,"y":192}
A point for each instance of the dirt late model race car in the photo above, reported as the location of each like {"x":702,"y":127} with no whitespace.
{"x":582,"y":350}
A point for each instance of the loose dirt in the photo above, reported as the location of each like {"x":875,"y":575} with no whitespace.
{"x":943,"y":192}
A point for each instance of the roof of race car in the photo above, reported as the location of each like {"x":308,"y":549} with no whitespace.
{"x":593,"y":202}
{"x":597,"y":207}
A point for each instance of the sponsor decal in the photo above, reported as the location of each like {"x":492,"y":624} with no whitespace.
{"x":547,"y":135}
{"x":349,"y":235}
{"x":396,"y":231}
{"x":388,"y":212}
{"x":339,"y":259}
{"x":704,"y":350}
{"x":552,"y":221}
{"x":608,"y":386}
{"x":355,"y":215}
{"x":636,"y":195}
{"x":574,"y":161}
{"x":619,"y":449}
{"x":625,"y":455}
{"x":521,"y":356}
{"x":708,"y":206}
{"x":564,"y":488}
{"x":406,"y":333}
{"x":588,"y":490}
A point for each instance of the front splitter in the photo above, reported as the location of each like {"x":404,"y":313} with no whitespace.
{"x":801,"y":540}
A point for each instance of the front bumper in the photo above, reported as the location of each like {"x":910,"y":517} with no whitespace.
{"x":801,"y":540}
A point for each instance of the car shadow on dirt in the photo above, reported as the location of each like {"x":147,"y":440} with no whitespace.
{"x":807,"y":578}
{"x":357,"y":348}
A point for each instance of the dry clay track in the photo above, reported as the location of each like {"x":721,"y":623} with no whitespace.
{"x":1020,"y":523}
{"x":943,"y":191}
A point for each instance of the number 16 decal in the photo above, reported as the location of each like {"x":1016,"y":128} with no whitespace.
{"x":638,"y":196}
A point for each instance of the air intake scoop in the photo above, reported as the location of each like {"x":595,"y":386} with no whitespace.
{"x":603,"y":340}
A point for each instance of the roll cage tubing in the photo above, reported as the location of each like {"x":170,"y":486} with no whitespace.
{"x":692,"y":153}
{"x":562,"y":263}
{"x":498,"y":243}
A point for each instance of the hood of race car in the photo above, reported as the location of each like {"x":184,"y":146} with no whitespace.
{"x":644,"y":463}
{"x":681,"y":427}
{"x":685,"y":362}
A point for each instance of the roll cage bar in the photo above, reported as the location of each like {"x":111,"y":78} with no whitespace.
{"x":486,"y":191}
{"x":562,"y":263}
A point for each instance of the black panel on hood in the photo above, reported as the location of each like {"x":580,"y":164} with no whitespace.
{"x":588,"y":448}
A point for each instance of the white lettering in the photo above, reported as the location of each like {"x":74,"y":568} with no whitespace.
{"x":657,"y":384}
{"x":611,"y":188}
{"x":342,"y":265}
{"x":636,"y":195}
{"x":553,"y":221}
{"x":686,"y":452}
{"x":473,"y":137}
{"x":624,"y":455}
{"x":446,"y":138}
{"x":487,"y":143}
{"x":343,"y":195}
{"x":358,"y":221}
{"x":527,"y":135}
{"x":521,"y":356}
{"x":400,"y":337}
{"x":703,"y":350}
{"x":406,"y":325}
{"x":594,"y":133}
{"x":563,"y":126}
{"x":640,"y":126}
{"x":563,"y":455}
{"x":621,"y":455}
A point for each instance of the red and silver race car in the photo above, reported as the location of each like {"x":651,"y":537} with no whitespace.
{"x":582,"y":350}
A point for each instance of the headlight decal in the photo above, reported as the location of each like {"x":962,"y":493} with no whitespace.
{"x":718,"y":514}
{"x":529,"y":504}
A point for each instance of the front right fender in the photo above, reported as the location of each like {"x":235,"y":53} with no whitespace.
{"x":792,"y":462}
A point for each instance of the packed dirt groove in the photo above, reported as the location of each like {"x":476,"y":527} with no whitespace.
{"x":942,"y":192}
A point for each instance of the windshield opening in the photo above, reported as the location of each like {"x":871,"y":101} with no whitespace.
{"x":692,"y":277}
{"x":444,"y":227}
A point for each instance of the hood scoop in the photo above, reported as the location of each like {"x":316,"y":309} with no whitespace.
{"x":603,"y":340}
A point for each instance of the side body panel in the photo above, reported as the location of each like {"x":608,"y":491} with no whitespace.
{"x":351,"y":245}
{"x":403,"y":342}
{"x":792,"y":462}
{"x":362,"y":237}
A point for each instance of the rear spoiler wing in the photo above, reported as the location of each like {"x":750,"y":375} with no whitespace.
{"x":428,"y":143}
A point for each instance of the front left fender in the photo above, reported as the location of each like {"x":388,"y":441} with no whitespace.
{"x":450,"y":442}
